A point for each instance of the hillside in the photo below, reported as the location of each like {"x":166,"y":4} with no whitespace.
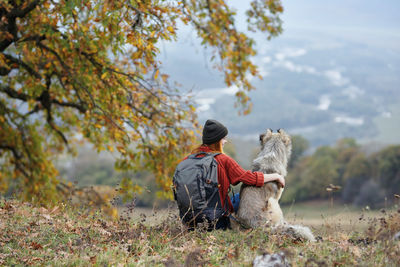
{"x":345,"y":93}
{"x":320,"y":81}
{"x":60,"y":236}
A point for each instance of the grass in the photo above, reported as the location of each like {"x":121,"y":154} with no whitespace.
{"x":62,"y":236}
{"x":323,"y":215}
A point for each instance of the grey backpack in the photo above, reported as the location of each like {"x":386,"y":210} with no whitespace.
{"x":196,"y":189}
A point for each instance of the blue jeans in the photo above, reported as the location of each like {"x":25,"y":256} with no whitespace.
{"x":235,"y":202}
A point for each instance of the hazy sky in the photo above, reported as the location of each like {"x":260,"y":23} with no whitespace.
{"x":371,"y":22}
{"x":373,"y":14}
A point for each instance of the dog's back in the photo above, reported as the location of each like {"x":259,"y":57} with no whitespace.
{"x":259,"y":205}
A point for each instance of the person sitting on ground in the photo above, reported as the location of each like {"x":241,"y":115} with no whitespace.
{"x":229,"y":171}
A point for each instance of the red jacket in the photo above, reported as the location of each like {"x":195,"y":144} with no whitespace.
{"x":230,"y":173}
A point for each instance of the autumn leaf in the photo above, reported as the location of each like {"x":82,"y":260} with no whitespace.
{"x":35,"y":246}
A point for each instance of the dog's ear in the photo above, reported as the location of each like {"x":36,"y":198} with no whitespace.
{"x":262,"y":139}
{"x":285,"y":137}
{"x":269,"y":133}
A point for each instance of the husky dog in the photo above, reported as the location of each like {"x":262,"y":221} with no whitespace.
{"x":259,"y":206}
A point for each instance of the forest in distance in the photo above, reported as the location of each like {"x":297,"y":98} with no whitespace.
{"x":349,"y":172}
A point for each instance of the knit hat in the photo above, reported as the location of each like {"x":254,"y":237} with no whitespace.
{"x":213,"y":131}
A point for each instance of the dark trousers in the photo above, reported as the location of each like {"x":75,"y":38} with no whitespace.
{"x":224,"y":222}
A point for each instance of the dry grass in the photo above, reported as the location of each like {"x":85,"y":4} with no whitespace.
{"x":62,"y":236}
{"x":322,"y":216}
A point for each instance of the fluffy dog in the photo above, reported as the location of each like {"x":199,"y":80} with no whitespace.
{"x":259,"y":206}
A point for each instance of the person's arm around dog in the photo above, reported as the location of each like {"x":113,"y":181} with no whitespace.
{"x":229,"y":171}
{"x":270,"y":177}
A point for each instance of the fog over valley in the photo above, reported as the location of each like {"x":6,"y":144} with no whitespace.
{"x":334,"y":72}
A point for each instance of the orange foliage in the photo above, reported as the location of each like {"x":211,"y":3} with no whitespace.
{"x":73,"y":70}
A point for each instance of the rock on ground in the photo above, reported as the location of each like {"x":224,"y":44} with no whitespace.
{"x":271,"y":260}
{"x":397,"y":236}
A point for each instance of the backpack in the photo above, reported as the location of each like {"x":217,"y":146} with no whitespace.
{"x":196,"y":189}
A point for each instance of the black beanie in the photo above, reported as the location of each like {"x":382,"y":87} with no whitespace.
{"x":213,"y":131}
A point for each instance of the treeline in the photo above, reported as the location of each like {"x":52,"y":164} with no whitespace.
{"x":360,"y":177}
{"x":346,"y":171}
{"x":90,"y":168}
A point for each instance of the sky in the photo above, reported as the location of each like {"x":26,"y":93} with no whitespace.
{"x":371,"y":22}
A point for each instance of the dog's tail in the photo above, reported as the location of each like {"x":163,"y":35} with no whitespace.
{"x":296,"y":231}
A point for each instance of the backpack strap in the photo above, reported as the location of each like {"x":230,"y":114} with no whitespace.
{"x":196,"y":155}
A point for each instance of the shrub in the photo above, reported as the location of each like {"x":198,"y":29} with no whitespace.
{"x":371,"y":194}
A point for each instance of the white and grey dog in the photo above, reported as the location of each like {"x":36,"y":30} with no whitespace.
{"x":259,"y":206}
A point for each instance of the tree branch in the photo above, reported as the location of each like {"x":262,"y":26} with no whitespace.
{"x":20,"y":13}
{"x":4,"y":71}
{"x":17,"y":157}
{"x":12,"y":149}
{"x":14,"y":94}
{"x":46,"y":101}
{"x":81,"y":108}
{"x":23,"y":64}
{"x":10,"y":18}
{"x":54,"y":53}
{"x":34,"y":110}
{"x":36,"y":38}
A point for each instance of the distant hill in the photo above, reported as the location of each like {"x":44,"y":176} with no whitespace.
{"x":321,"y":86}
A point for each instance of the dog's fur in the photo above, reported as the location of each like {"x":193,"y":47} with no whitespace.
{"x":259,"y":205}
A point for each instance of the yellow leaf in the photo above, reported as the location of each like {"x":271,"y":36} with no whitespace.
{"x":104,"y":75}
{"x":170,"y":29}
{"x":156,"y":74}
{"x":97,"y":125}
{"x":114,"y":213}
{"x":164,"y":77}
{"x":121,"y":149}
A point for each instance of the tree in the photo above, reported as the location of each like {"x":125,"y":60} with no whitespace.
{"x":88,"y":70}
{"x":311,"y":176}
{"x":299,"y":146}
{"x":89,"y":168}
{"x":357,"y":172}
{"x":387,"y":162}
{"x":371,"y":194}
{"x":321,"y":172}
